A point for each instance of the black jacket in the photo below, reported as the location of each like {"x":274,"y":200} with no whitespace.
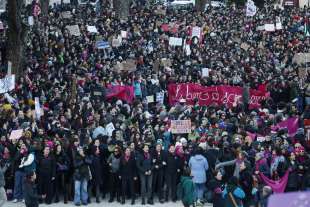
{"x":128,"y":168}
{"x":81,"y":167}
{"x":158,"y":160}
{"x":47,"y":166}
{"x":172,"y":163}
{"x":143,"y":163}
{"x":30,"y":194}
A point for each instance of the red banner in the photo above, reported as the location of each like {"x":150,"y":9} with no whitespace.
{"x":227,"y":95}
{"x":125,"y":93}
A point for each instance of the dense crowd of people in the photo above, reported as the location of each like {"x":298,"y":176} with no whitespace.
{"x":230,"y":157}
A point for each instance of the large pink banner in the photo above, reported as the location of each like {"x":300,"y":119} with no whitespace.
{"x":227,"y":95}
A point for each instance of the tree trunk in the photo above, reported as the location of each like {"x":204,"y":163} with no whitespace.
{"x":200,"y":5}
{"x":44,"y":7}
{"x":16,"y":34}
{"x":121,"y":8}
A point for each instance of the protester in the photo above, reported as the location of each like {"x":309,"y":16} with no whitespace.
{"x":187,"y":189}
{"x":31,"y":195}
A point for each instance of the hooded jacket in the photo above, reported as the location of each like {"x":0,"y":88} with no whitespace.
{"x":198,"y":165}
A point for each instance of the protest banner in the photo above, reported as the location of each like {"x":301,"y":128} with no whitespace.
{"x":221,"y":95}
{"x":74,"y":30}
{"x":180,"y":126}
{"x":16,"y":134}
{"x":175,"y":41}
{"x":125,"y":93}
{"x":7,"y":84}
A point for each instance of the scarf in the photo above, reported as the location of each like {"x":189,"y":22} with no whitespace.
{"x":127,"y":157}
{"x":146,"y":155}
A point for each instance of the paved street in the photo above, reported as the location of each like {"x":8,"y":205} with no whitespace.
{"x":104,"y":203}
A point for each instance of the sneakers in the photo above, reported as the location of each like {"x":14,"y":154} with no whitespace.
{"x":23,"y":201}
{"x":15,"y":201}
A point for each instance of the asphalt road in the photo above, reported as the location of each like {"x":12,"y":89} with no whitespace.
{"x":104,"y":203}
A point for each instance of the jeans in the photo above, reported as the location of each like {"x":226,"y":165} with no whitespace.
{"x":80,"y":191}
{"x":146,"y":186}
{"x":18,"y":185}
{"x":2,"y":196}
{"x":199,"y":190}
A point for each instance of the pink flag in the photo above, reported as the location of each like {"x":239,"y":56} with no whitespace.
{"x":125,"y":93}
{"x":291,"y":124}
{"x":278,"y":186}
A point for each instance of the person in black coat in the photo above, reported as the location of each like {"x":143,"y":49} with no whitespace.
{"x":30,"y":191}
{"x":47,"y":174}
{"x":171,"y":172}
{"x":145,"y":167}
{"x":97,"y":168}
{"x":246,"y":183}
{"x":216,"y":187}
{"x":158,"y":172}
{"x":128,"y":174}
{"x":62,"y":173}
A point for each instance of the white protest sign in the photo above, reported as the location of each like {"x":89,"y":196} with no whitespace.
{"x":270,"y":27}
{"x":150,"y":99}
{"x":180,"y":126}
{"x":110,"y":128}
{"x":160,"y":97}
{"x":205,"y":72}
{"x":279,"y":26}
{"x":260,"y":28}
{"x":124,"y":34}
{"x":196,"y":31}
{"x":92,"y":29}
{"x":9,"y":68}
{"x":250,"y":9}
{"x":30,"y":20}
{"x":16,"y":134}
{"x":7,"y":84}
{"x":74,"y":30}
{"x":188,"y":50}
{"x":37,"y":107}
{"x":175,"y":41}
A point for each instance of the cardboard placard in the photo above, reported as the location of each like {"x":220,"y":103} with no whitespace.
{"x":301,"y":58}
{"x":166,"y":62}
{"x":16,"y":134}
{"x":66,"y":15}
{"x":128,"y":65}
{"x":180,"y":126}
{"x":74,"y":30}
{"x":245,"y":46}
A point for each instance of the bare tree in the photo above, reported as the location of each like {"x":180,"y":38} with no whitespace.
{"x":121,"y":8}
{"x":200,"y":5}
{"x":16,"y":35}
{"x":44,"y":7}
